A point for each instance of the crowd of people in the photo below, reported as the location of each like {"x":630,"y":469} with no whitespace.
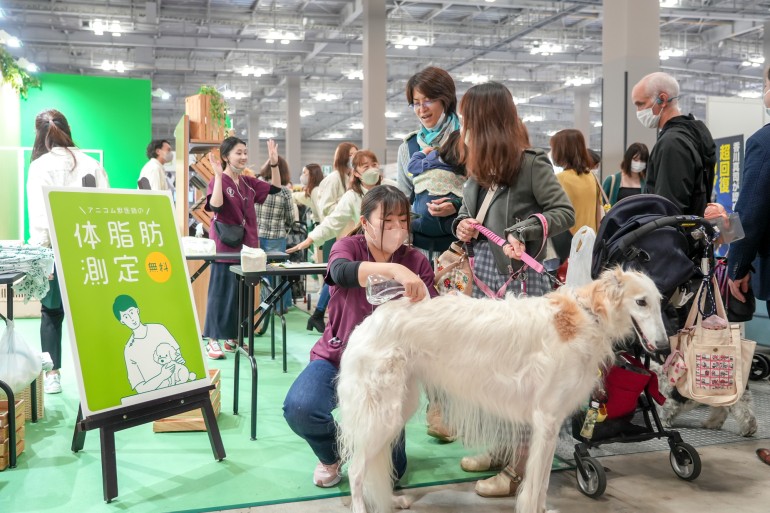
{"x":464,"y":166}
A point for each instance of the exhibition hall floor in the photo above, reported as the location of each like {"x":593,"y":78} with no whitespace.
{"x":176,"y":472}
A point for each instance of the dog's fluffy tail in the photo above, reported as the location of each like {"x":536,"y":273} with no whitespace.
{"x":374,"y":392}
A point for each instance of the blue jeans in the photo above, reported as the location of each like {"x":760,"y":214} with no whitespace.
{"x":308,"y":411}
{"x":276,"y":245}
{"x":323,"y":298}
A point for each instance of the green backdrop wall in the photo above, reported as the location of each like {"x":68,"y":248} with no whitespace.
{"x":9,"y":138}
{"x":104,"y":113}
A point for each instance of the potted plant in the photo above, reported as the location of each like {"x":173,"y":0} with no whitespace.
{"x":207,"y":111}
{"x":16,"y":77}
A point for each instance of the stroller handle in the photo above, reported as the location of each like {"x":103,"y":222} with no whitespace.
{"x":681,"y":220}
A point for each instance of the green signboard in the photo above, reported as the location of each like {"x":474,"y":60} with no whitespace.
{"x":126,"y":291}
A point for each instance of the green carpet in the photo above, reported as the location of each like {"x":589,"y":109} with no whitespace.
{"x":174,"y":472}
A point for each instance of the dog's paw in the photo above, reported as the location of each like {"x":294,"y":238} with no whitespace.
{"x":713,"y":423}
{"x":750,"y":429}
{"x":402,"y":501}
{"x":665,"y":422}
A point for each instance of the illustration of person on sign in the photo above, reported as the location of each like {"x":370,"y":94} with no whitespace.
{"x":152,"y":355}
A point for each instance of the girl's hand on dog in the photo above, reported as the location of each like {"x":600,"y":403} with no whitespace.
{"x":465,"y":230}
{"x":414,"y":287}
{"x":514,"y":249}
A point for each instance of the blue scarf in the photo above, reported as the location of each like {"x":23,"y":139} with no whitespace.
{"x":440,"y":132}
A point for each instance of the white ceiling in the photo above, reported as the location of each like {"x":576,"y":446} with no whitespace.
{"x":182,"y":45}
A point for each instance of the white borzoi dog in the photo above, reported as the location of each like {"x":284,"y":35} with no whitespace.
{"x":503,"y":368}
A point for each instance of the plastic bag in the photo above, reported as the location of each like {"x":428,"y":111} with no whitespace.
{"x":579,"y":270}
{"x":19,"y":364}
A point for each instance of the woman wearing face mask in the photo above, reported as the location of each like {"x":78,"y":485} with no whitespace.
{"x":630,"y":180}
{"x":376,"y":247}
{"x":231,"y":196}
{"x":431,"y":95}
{"x":311,"y":176}
{"x":330,"y":191}
{"x":366,"y":175}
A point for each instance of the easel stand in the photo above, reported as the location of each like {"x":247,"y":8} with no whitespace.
{"x":117,"y":420}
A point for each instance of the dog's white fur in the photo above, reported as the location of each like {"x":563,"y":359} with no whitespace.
{"x":503,"y":368}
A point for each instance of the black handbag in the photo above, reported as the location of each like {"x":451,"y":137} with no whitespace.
{"x":230,"y":234}
{"x":738,"y":311}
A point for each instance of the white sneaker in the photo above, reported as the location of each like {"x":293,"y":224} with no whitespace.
{"x":214,"y":350}
{"x":52,"y":383}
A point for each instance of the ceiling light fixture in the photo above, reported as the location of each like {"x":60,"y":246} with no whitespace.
{"x":335,"y":135}
{"x":9,"y":40}
{"x":264,"y":134}
{"x":256,"y":71}
{"x":667,"y":53}
{"x":545,"y":48}
{"x":284,"y":36}
{"x":354,"y":74}
{"x":356,"y":125}
{"x":597,"y":124}
{"x":279,"y":124}
{"x":120,"y":67}
{"x":594,"y":104}
{"x":160,"y":93}
{"x":518,"y":100}
{"x":326,"y":97}
{"x":391,"y":114}
{"x":306,"y":112}
{"x":30,"y":67}
{"x":233,"y":95}
{"x":578,"y":81}
{"x":411,"y":42}
{"x":669,"y":3}
{"x":475,"y":78}
{"x":532,"y":118}
{"x":750,"y":94}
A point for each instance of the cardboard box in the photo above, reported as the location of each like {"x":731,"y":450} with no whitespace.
{"x":192,"y":420}
{"x":26,"y":396}
{"x":5,"y":431}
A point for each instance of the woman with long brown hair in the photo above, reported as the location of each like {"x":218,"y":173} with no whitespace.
{"x":56,"y":161}
{"x":311,"y":177}
{"x":521,"y":183}
{"x":330,"y":192}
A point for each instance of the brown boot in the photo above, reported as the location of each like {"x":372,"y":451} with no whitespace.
{"x":436,"y":427}
{"x":504,"y":484}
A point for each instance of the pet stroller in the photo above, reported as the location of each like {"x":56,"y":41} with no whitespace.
{"x":646,"y":233}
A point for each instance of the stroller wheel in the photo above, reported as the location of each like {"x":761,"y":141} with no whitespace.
{"x":760,"y":367}
{"x":685,"y":461}
{"x":596,"y":483}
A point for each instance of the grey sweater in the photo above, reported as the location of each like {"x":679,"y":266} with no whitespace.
{"x":536,"y":190}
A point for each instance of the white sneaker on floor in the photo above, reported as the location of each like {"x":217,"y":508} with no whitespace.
{"x":52,"y":383}
{"x":214,"y":350}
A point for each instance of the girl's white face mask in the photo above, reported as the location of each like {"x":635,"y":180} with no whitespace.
{"x":391,"y":239}
{"x":638,"y":166}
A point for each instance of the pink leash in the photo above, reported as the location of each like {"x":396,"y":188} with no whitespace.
{"x":526,"y":258}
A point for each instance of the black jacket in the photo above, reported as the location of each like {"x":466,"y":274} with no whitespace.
{"x":681,"y":165}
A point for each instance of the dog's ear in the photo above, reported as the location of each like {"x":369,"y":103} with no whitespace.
{"x":606,"y":293}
